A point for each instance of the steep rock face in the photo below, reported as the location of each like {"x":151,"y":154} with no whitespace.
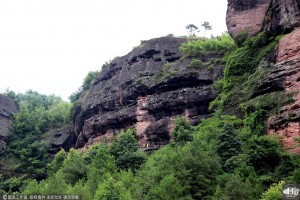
{"x":7,"y":109}
{"x":275,"y":16}
{"x":246,"y":15}
{"x":287,"y":71}
{"x":283,"y":16}
{"x":146,"y":89}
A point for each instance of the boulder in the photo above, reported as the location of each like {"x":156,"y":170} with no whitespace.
{"x":57,"y":139}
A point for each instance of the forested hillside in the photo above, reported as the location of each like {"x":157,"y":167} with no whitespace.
{"x":176,"y":118}
{"x":224,"y":157}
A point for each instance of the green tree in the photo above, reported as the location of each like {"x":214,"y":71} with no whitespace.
{"x":169,"y":188}
{"x":99,"y":163}
{"x":59,"y":114}
{"x":74,"y":167}
{"x":228,"y":144}
{"x":35,"y":100}
{"x":232,"y":187}
{"x":183,"y":131}
{"x":206,"y":26}
{"x":57,"y":162}
{"x":34,"y":187}
{"x":26,"y":146}
{"x":38,"y":113}
{"x":274,"y":192}
{"x":196,"y":172}
{"x":296,"y":175}
{"x":1,"y":185}
{"x":126,"y":152}
{"x":191,"y":29}
{"x":112,"y":189}
{"x":265,"y":153}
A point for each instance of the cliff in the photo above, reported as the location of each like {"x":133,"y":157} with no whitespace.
{"x":146,"y":89}
{"x":275,"y":17}
{"x":7,"y":109}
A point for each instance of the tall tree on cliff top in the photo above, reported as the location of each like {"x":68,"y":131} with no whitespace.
{"x":191,"y":29}
{"x":206,"y":26}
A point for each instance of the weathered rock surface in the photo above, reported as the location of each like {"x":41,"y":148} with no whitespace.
{"x":63,"y":138}
{"x":275,"y":17}
{"x":283,"y":16}
{"x":287,"y":122}
{"x":246,"y":15}
{"x":146,"y":89}
{"x":253,"y":16}
{"x":285,"y":76}
{"x":7,"y":109}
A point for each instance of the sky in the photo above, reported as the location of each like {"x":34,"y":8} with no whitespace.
{"x":49,"y":46}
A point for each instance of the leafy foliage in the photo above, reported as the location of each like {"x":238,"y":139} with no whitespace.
{"x":195,"y":64}
{"x":165,"y":72}
{"x":87,"y":83}
{"x":223,"y":43}
{"x":38,"y":113}
{"x":73,"y":167}
{"x":232,"y":186}
{"x":182,"y":132}
{"x":264,"y":153}
{"x":274,"y":192}
{"x":227,"y":144}
{"x":126,"y":152}
{"x":57,"y":162}
{"x":246,"y":66}
{"x":27,"y":153}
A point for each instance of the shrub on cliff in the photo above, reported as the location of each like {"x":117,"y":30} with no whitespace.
{"x":223,"y":43}
{"x":83,"y":89}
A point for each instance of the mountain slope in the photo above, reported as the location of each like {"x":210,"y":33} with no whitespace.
{"x":146,"y":89}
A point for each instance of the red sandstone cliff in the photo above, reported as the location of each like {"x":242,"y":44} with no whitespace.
{"x":146,"y":89}
{"x":275,"y":17}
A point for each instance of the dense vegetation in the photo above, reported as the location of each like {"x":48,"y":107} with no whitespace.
{"x":227,"y":156}
{"x":28,"y":153}
{"x":223,"y":43}
{"x":218,"y":159}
